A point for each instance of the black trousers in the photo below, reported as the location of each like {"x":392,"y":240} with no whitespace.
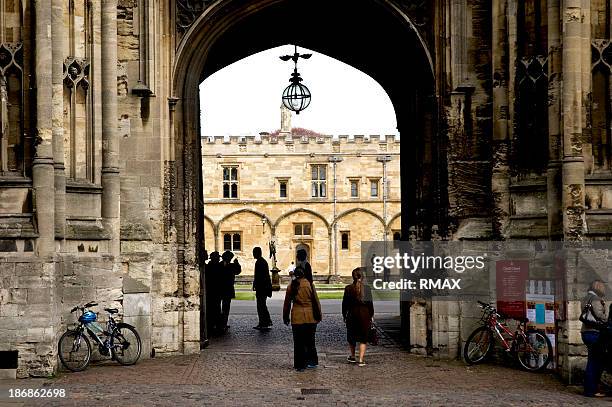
{"x":213,"y":310}
{"x":304,"y":348}
{"x":225,"y":310}
{"x":262,"y":310}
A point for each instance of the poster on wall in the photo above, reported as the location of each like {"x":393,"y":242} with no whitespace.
{"x":541,"y":312}
{"x":511,"y":276}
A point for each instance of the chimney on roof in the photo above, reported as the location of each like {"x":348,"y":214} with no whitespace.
{"x":285,"y":120}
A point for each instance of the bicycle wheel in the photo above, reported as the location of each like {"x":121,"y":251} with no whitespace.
{"x":478,"y":346}
{"x":535,"y":353}
{"x":126,"y":344}
{"x":74,"y":351}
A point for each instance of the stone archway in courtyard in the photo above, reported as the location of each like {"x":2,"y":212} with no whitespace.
{"x":379,"y":38}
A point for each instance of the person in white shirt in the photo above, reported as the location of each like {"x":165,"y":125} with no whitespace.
{"x":291,"y":269}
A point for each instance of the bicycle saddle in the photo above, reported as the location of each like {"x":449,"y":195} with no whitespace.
{"x":111,"y":310}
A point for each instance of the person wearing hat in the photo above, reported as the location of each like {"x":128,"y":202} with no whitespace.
{"x":229,"y":271}
{"x":213,"y":299}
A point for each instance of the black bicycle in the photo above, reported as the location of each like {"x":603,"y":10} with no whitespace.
{"x":118,"y":340}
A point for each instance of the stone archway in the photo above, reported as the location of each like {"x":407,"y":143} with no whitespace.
{"x":391,"y":50}
{"x":222,"y":34}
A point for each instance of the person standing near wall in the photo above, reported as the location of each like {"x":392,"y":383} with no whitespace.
{"x":229,"y":271}
{"x":594,"y":305}
{"x":303,"y":310}
{"x":213,"y":293}
{"x":262,"y":285}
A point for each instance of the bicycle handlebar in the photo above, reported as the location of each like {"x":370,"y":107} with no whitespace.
{"x":88,"y":305}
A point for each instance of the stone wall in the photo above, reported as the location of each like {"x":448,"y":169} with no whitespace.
{"x":29,"y":312}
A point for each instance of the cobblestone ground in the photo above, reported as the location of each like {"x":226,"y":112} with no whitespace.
{"x":252,"y":368}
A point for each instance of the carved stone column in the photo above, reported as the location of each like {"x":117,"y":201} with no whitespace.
{"x":42,"y":167}
{"x":554,"y":198}
{"x":110,"y":143}
{"x":573,"y":161}
{"x":500,"y":183}
{"x":58,"y":33}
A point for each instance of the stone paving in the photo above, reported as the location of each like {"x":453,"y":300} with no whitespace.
{"x":252,"y":368}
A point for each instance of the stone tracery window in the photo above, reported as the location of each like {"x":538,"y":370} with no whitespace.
{"x":601,"y":87}
{"x":78,"y":96}
{"x":601,"y":104}
{"x":15,"y":141}
{"x":530,"y":143}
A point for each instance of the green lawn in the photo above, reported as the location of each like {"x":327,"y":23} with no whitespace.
{"x":330,"y":295}
{"x":245,"y":296}
{"x":323,"y":295}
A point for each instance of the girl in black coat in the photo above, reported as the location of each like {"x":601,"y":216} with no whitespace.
{"x":357,"y":310}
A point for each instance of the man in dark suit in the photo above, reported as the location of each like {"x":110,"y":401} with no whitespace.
{"x":213,"y":293}
{"x":262,"y":285}
{"x":229,"y":271}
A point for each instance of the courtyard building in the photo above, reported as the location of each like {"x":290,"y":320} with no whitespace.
{"x":301,"y":190}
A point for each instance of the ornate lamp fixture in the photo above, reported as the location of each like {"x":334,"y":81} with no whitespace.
{"x":296,"y":96}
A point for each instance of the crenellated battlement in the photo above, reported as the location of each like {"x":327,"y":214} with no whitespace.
{"x":291,"y":139}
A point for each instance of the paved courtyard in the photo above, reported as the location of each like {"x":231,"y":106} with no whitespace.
{"x":252,"y":368}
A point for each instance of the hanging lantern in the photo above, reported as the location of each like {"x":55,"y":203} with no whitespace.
{"x":296,"y":96}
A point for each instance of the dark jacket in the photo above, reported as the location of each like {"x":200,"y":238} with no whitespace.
{"x":228,"y":275}
{"x":358,"y":311}
{"x":262,"y":284}
{"x":213,"y":279}
{"x":301,"y":305}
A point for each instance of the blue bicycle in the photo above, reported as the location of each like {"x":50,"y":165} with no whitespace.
{"x":118,"y":340}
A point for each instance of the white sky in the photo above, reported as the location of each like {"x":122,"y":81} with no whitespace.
{"x":245,"y":97}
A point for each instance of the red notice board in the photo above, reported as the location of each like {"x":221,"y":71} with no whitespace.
{"x":511,"y":276}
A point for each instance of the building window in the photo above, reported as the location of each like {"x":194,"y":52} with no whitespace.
{"x":302,"y":229}
{"x":232,"y":241}
{"x":354,"y":188}
{"x":230,"y":182}
{"x":374,"y":188}
{"x":345,"y":240}
{"x":397,"y":235}
{"x":282,"y":189}
{"x":319,"y":177}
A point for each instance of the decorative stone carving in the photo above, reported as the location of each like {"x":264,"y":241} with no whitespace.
{"x":76,"y":73}
{"x":532,"y":68}
{"x":187,"y":11}
{"x":601,"y":51}
{"x":11,"y":56}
